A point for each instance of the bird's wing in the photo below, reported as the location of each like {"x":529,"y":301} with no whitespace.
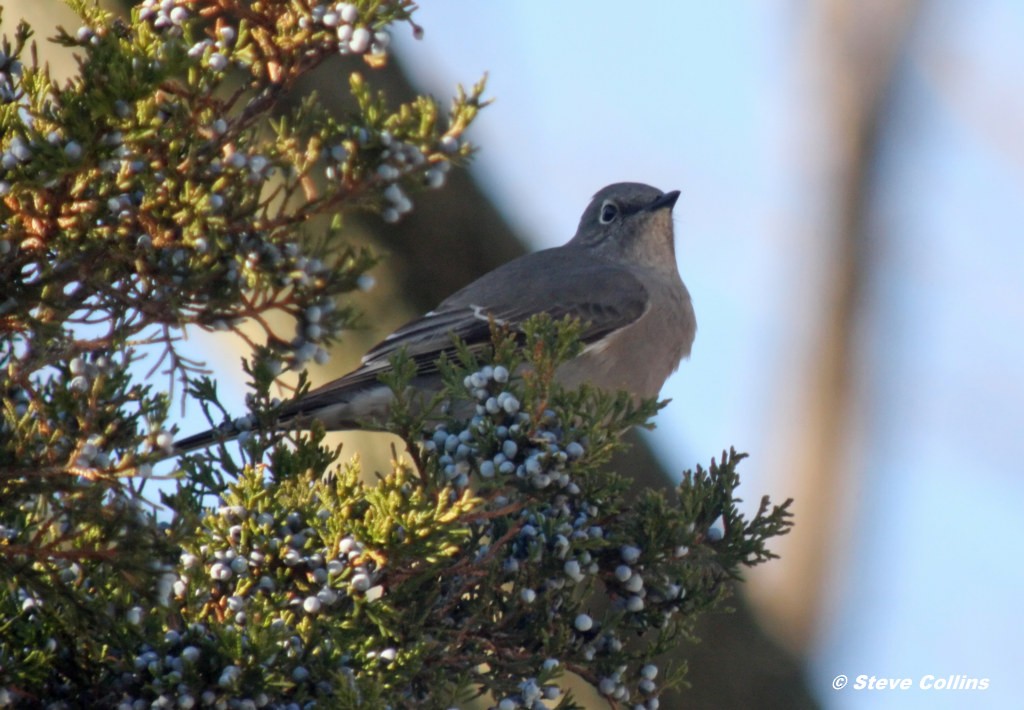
{"x":560,"y":282}
{"x":604,"y":295}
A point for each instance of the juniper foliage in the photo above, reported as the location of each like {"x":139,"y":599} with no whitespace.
{"x":164,"y":187}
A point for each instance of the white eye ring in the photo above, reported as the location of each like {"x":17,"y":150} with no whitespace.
{"x":609,"y":211}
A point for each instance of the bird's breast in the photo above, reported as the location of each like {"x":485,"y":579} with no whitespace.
{"x":639,"y":357}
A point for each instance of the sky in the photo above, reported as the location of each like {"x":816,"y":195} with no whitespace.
{"x":709,"y":98}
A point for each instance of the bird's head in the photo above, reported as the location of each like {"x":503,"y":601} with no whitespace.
{"x":631,"y":222}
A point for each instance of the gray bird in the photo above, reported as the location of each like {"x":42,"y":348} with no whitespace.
{"x":618,"y":275}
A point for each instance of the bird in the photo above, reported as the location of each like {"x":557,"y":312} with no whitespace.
{"x":617,"y":275}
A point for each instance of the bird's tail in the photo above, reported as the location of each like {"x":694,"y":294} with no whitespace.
{"x":289,"y":418}
{"x":356,"y":401}
{"x":205,"y":439}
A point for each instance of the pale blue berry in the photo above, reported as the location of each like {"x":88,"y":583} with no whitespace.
{"x":349,"y":13}
{"x":361,"y":581}
{"x":228,"y":676}
{"x":217,"y":61}
{"x":634,"y":584}
{"x":178,"y":15}
{"x":360,"y":41}
{"x":449,"y":143}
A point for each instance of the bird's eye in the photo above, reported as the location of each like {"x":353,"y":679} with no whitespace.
{"x":608,"y":212}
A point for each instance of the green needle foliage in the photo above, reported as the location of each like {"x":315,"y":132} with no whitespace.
{"x":165,"y":187}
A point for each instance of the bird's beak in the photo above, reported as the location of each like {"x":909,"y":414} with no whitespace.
{"x":666,"y":200}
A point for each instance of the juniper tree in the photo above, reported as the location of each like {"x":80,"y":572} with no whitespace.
{"x":166,"y":187}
